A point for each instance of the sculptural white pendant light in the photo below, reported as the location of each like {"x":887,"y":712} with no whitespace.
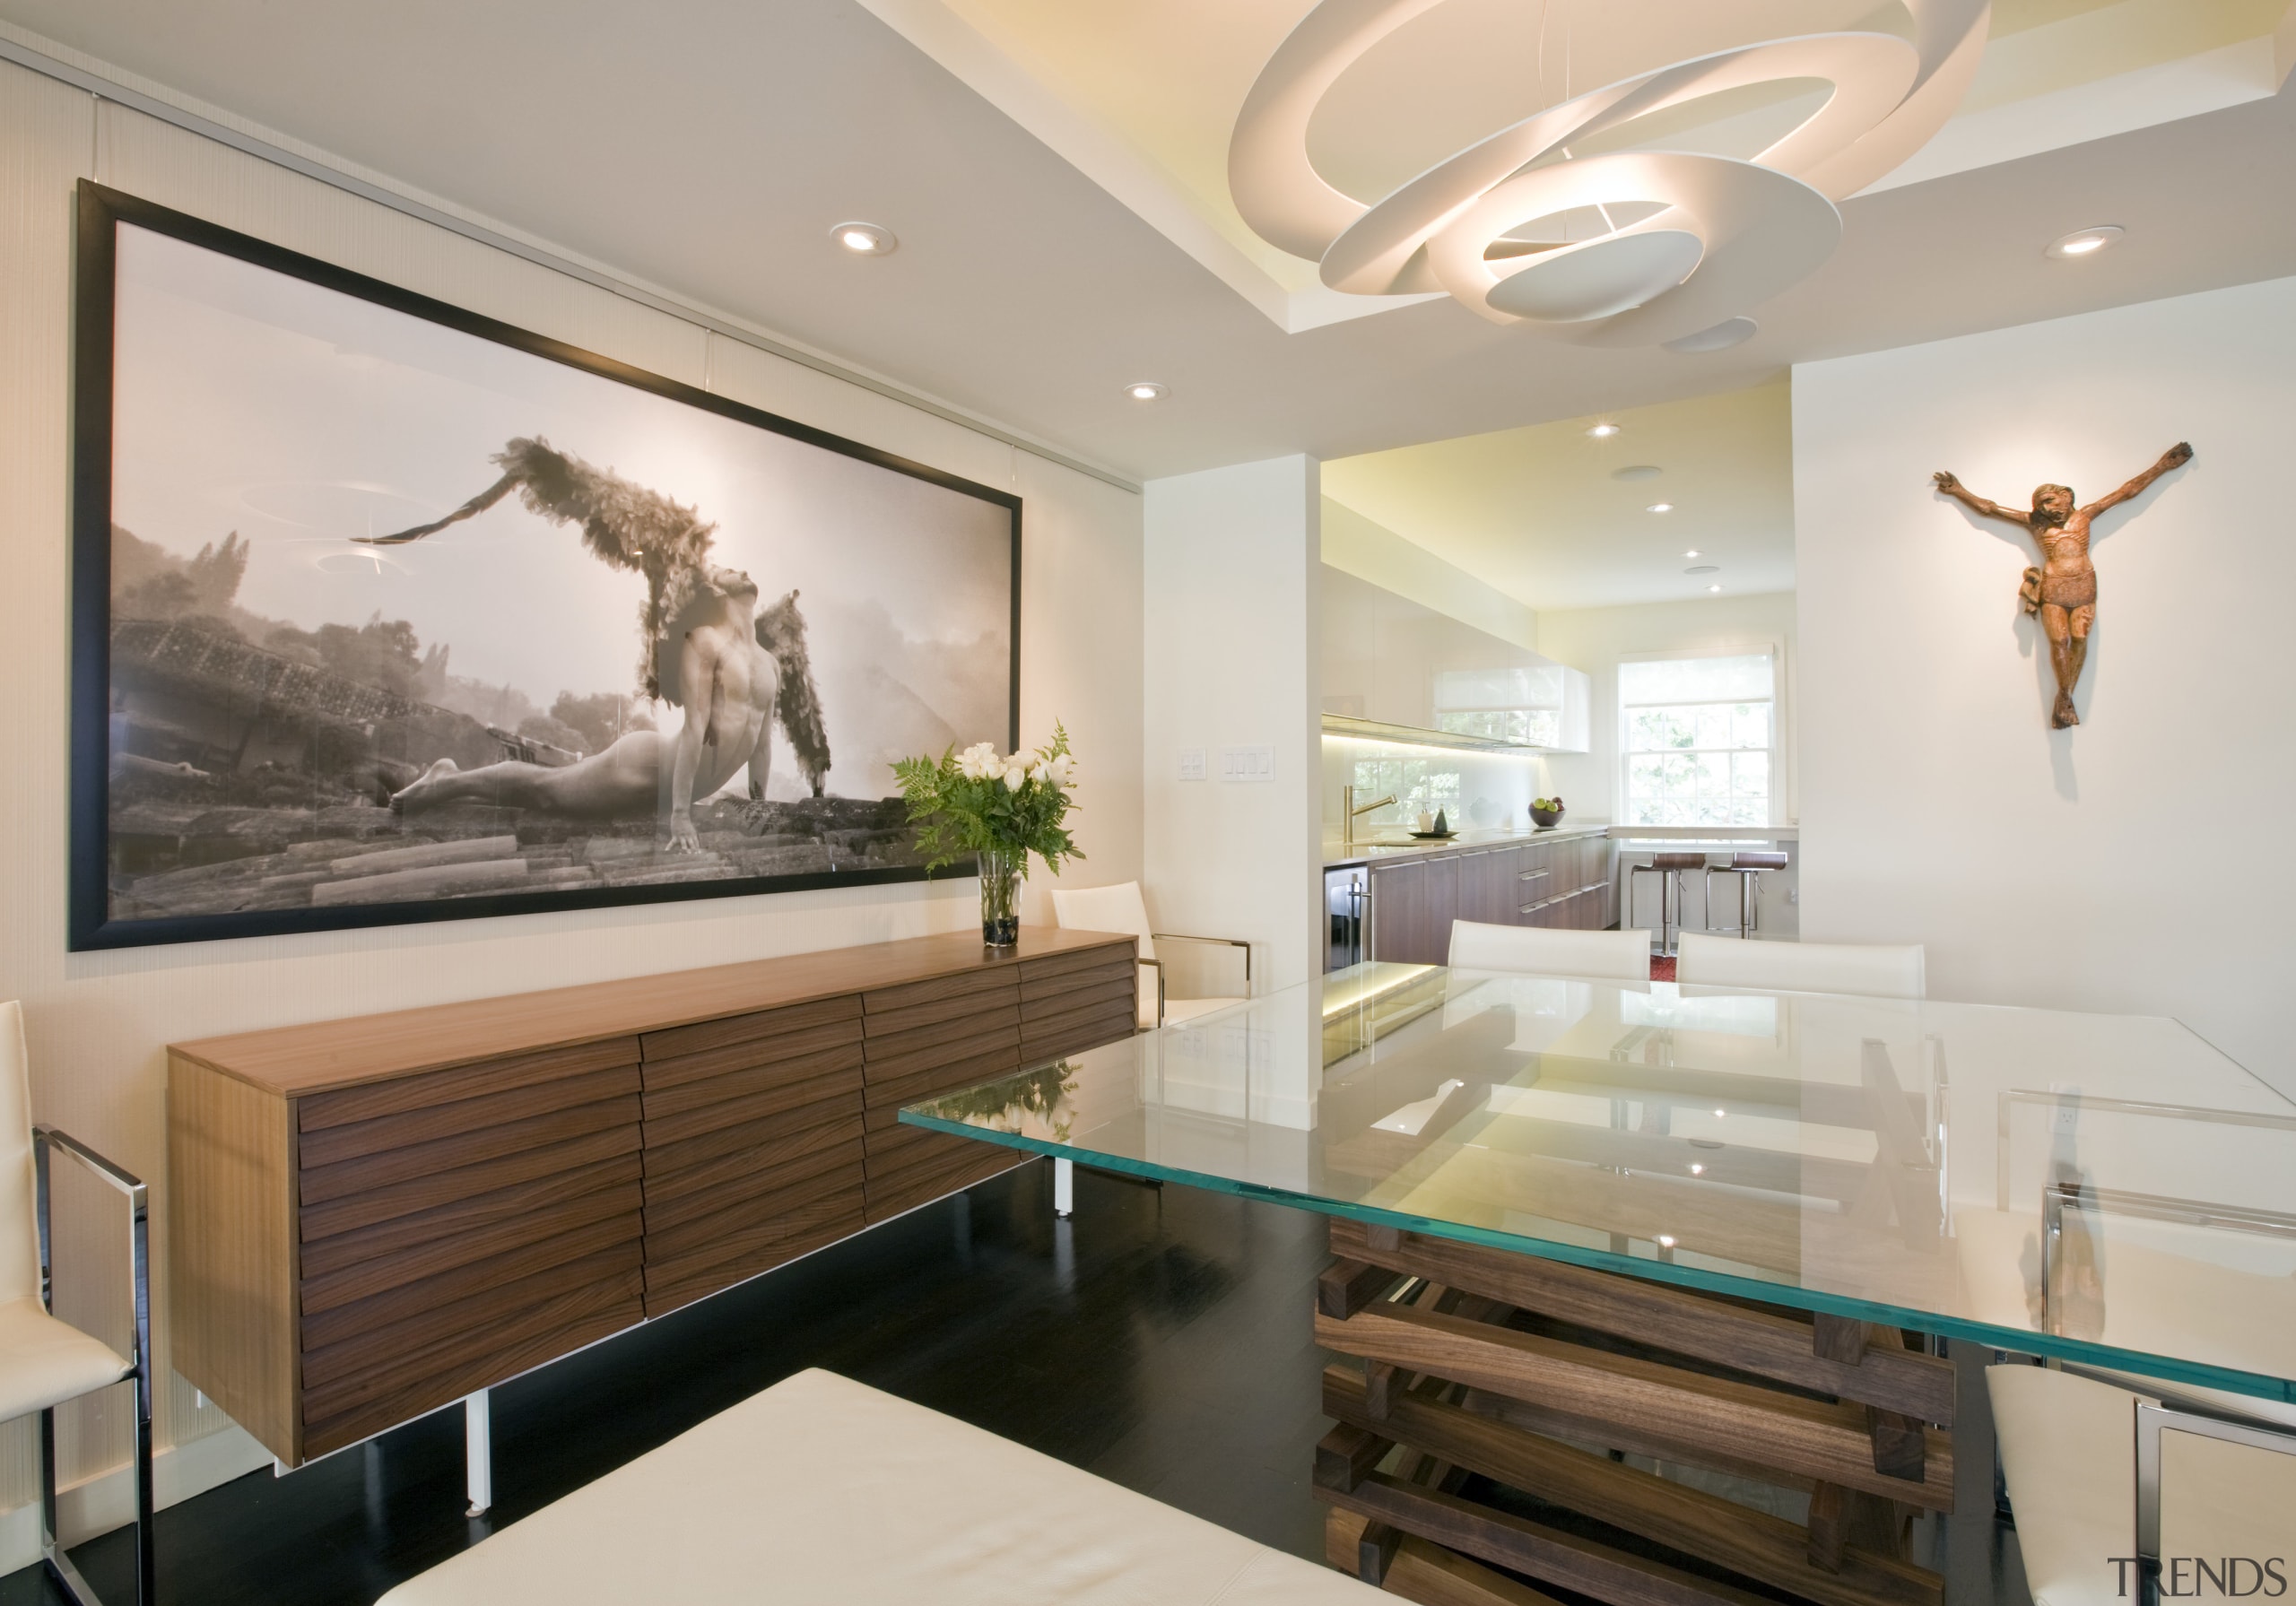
{"x":1727,"y":234}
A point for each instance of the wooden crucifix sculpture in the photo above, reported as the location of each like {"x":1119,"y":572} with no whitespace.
{"x":2062,"y":592}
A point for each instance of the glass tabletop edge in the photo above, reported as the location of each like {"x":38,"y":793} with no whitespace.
{"x":2012,"y":1341}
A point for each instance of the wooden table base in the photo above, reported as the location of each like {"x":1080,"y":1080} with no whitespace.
{"x":1492,"y":1400}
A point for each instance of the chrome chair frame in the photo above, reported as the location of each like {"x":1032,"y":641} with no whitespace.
{"x":1158,"y":965}
{"x":1672,"y":894}
{"x":46,"y":1140}
{"x":2154,"y":1418}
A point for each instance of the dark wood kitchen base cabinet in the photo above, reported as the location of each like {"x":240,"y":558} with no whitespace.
{"x":372,"y":1217}
{"x":1414,"y":898}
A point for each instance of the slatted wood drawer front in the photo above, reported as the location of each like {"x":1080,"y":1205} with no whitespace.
{"x":1073,"y":1001}
{"x":458,"y":1227}
{"x":923,"y":1038}
{"x":753,"y":1138}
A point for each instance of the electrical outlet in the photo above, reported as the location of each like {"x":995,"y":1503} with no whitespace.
{"x":1792,"y":895}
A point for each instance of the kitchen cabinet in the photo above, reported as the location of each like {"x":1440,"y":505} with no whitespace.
{"x":1563,"y":885}
{"x":1392,"y":665}
{"x":1414,"y":902}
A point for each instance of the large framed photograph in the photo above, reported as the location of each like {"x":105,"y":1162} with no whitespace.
{"x":386,"y":611}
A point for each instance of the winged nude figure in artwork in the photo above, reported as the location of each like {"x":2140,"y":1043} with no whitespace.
{"x":704,"y":646}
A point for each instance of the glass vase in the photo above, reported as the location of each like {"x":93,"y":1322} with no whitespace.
{"x":1001,"y":870}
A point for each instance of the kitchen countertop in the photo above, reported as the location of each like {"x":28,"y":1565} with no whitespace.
{"x":1336,"y":854}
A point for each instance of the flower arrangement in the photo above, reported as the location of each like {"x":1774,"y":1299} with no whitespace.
{"x":1001,"y":807}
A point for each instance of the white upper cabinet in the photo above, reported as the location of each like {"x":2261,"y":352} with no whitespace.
{"x":1388,"y":662}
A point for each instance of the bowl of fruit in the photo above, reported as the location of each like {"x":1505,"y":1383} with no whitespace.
{"x":1546,"y":812}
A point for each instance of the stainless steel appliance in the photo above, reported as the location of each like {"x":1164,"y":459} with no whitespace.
{"x":1347,"y":907}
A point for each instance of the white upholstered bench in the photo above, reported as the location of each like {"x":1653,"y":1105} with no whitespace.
{"x":822,"y":1490}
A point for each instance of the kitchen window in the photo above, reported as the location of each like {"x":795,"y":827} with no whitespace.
{"x":1700,"y":739}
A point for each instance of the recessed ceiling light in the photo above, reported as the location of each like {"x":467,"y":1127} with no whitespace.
{"x":1145,"y":390}
{"x":1659,"y":508}
{"x":866,"y":239}
{"x":1698,"y":1170}
{"x":1714,"y":588}
{"x":1691,"y":554}
{"x":1703,"y":569}
{"x":1603,"y":432}
{"x":1665,"y":1240}
{"x":2085,"y":242}
{"x":1637,"y":471}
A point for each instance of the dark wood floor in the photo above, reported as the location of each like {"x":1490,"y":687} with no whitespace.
{"x":1162,"y":1340}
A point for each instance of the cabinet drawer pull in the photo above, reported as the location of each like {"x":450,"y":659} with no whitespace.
{"x":1532,"y":875}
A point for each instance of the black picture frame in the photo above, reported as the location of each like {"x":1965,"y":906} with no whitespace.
{"x":100,"y":211}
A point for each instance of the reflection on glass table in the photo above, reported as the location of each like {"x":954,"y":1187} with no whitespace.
{"x":2105,"y":1189}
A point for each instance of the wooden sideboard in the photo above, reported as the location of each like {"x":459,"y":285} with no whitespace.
{"x":1565,"y":882}
{"x":372,"y":1217}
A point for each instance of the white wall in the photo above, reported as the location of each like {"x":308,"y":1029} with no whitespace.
{"x":1371,"y":551}
{"x":1232,"y":582}
{"x":2133,"y":863}
{"x":98,"y":1021}
{"x":1596,"y":639}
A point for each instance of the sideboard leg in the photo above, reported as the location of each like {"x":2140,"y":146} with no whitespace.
{"x":1064,"y":1187}
{"x":478,"y":1445}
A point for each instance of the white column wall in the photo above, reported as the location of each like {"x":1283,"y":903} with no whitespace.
{"x":1231,"y":592}
{"x":2132,"y":863}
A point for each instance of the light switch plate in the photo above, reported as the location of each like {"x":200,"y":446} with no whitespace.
{"x":1247,"y":763}
{"x":1191,"y":763}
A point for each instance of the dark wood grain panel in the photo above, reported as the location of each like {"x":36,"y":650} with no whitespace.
{"x":1101,"y":991}
{"x":471,"y":1371}
{"x":841,"y":1211}
{"x":1094,"y":949}
{"x":1066,"y":1025}
{"x":525,"y":1200}
{"x":922,"y":1081}
{"x":447,"y":1269}
{"x":684,"y":1284}
{"x":671,"y":1070}
{"x":886,"y":1143}
{"x":1096,"y":1032}
{"x":770,"y":1138}
{"x":741,"y":1081}
{"x":320,"y":1111}
{"x":950,"y":1013}
{"x":840,"y":1091}
{"x":381,"y":1346}
{"x":318,"y":1184}
{"x":950,"y":1040}
{"x":351,"y":1211}
{"x":697,"y":1230}
{"x":911,"y":1189}
{"x":1004,"y":982}
{"x":756,"y":1025}
{"x":408,"y":1128}
{"x":1121,"y":971}
{"x":411,"y":1368}
{"x":707,"y":1191}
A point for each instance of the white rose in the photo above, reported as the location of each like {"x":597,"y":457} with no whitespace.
{"x":979,"y":761}
{"x":1061,"y":771}
{"x":1015,"y":778}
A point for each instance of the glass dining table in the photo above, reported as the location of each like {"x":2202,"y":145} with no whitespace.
{"x":2102,"y":1189}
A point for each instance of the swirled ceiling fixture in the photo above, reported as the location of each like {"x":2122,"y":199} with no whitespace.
{"x":1726,"y":234}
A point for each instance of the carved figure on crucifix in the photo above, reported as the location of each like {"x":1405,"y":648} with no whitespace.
{"x":2062,"y":592}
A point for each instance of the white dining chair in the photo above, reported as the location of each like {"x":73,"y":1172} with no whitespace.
{"x":1875,"y":970}
{"x":1539,"y":951}
{"x":45,"y":1362}
{"x":1121,"y":908}
{"x":2103,"y":1480}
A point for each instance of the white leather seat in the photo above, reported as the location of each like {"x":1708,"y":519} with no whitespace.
{"x":1536,"y":951}
{"x":1871,"y":969}
{"x":44,"y":1361}
{"x":1121,"y":908}
{"x":822,"y":1492}
{"x":2068,"y":1454}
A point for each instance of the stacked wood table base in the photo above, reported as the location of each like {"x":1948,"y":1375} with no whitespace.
{"x":1491,"y":1401}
